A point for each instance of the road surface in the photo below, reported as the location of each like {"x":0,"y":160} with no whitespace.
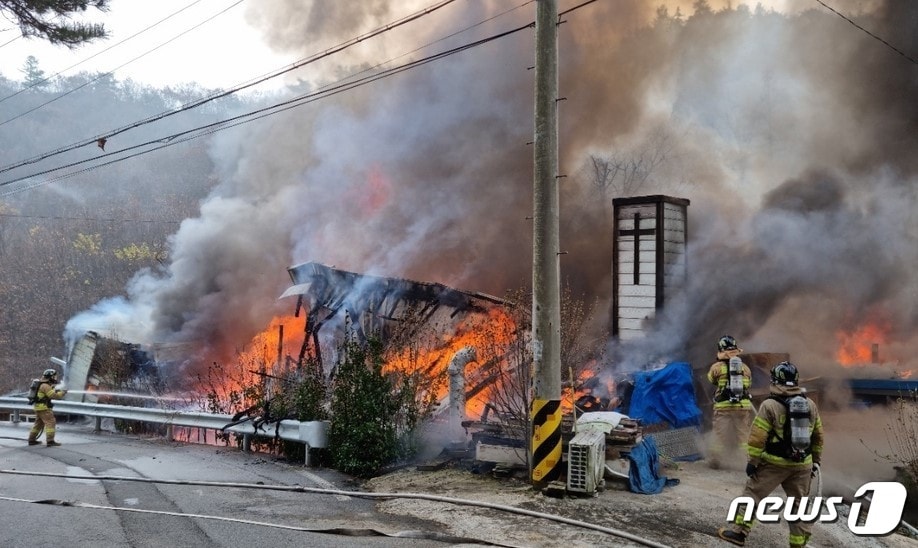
{"x":109,"y":517}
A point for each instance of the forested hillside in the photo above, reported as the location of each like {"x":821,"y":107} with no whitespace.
{"x":66,"y":243}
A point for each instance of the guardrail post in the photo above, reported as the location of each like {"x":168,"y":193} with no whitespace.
{"x":98,"y":425}
{"x":169,"y":433}
{"x":306,"y":450}
{"x":247,"y":443}
{"x":16,"y":417}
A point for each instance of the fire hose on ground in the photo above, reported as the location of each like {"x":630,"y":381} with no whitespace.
{"x":317,"y":490}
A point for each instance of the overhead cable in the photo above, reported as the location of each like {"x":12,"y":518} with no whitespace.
{"x":109,"y":73}
{"x":872,"y":35}
{"x":8,"y":42}
{"x":138,"y":33}
{"x":87,"y":219}
{"x":234,"y":89}
{"x":207,"y":129}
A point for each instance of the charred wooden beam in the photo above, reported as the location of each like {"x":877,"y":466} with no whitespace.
{"x":372,"y":302}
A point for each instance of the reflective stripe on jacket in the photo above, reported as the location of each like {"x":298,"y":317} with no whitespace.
{"x":46,"y":393}
{"x":769,"y":421}
{"x":719,"y":376}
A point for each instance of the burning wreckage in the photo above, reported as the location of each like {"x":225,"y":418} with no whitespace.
{"x":479,"y":355}
{"x":472,"y":328}
{"x":472,"y":410}
{"x":480,"y":417}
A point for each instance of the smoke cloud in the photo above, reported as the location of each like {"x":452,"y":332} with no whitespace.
{"x":791,"y":132}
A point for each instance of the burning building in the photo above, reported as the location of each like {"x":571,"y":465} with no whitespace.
{"x":330,"y":296}
{"x":434,"y":325}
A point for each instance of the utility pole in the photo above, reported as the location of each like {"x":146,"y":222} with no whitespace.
{"x":545,"y":460}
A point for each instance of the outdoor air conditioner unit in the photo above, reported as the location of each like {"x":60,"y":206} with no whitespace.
{"x":586,"y":461}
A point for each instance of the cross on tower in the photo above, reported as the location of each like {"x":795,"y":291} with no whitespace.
{"x":637,"y":233}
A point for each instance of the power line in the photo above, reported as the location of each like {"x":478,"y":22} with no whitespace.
{"x":38,"y":83}
{"x":234,"y":89}
{"x":87,"y":219}
{"x":11,"y":41}
{"x":872,"y":35}
{"x":100,"y":76}
{"x":208,"y":129}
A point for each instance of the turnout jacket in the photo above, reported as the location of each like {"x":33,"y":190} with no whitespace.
{"x":719,"y":376}
{"x":46,"y":393}
{"x":769,"y":425}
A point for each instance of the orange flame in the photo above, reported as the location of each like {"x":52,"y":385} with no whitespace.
{"x":490,"y":334}
{"x":856,"y":347}
{"x":375,"y":193}
{"x":259,"y":357}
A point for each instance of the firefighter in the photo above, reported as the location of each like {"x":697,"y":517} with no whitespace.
{"x":785,"y":448}
{"x":42,"y":405}
{"x":733,"y":410}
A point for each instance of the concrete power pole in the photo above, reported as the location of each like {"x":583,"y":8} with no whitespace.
{"x":546,"y":270}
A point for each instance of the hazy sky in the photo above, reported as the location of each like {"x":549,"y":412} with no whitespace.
{"x":221,"y":52}
{"x":197,"y":43}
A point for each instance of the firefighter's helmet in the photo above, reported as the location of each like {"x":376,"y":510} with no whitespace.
{"x":726,"y":343}
{"x":49,"y":374}
{"x":784,"y":374}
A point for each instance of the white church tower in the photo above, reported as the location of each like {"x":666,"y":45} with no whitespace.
{"x":648,"y":259}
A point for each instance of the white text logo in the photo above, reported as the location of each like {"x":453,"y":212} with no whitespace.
{"x":887,"y":501}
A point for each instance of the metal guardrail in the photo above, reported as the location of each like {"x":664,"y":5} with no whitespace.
{"x":314,"y":434}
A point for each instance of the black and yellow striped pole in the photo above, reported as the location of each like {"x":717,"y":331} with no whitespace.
{"x":546,"y":276}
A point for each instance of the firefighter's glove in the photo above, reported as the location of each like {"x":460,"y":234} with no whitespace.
{"x":751,"y":469}
{"x":815,"y":470}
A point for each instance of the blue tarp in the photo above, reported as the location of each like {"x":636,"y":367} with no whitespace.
{"x":666,"y":395}
{"x":644,"y":474}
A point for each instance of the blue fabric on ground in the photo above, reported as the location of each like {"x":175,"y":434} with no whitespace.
{"x":644,"y":473}
{"x":665,"y":395}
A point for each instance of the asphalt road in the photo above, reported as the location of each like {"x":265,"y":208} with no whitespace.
{"x":84,"y":453}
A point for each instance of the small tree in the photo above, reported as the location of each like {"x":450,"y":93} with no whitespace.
{"x":363,"y":436}
{"x":302,"y":394}
{"x":902,"y":435}
{"x":34,"y":76}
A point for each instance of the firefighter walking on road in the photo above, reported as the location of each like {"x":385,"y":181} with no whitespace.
{"x":733,"y":411}
{"x":41,"y":396}
{"x":785,"y":443}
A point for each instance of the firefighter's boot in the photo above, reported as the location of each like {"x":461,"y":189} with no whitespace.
{"x":52,"y":443}
{"x":732,"y":537}
{"x":33,"y":441}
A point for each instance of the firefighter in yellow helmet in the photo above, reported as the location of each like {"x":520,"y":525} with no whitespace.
{"x":785,"y":443}
{"x":42,"y":405}
{"x":733,"y":410}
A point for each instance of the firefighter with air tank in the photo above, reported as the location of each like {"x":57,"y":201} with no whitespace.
{"x":41,"y":394}
{"x":733,"y":410}
{"x":785,"y":448}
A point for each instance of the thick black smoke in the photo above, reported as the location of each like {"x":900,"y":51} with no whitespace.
{"x":792,"y":133}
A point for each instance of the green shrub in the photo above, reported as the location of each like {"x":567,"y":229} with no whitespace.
{"x":363,"y":436}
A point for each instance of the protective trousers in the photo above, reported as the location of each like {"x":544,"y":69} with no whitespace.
{"x":730,"y":428}
{"x":43,"y":419}
{"x":796,"y":483}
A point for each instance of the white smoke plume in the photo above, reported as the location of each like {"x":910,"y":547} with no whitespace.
{"x":791,"y":132}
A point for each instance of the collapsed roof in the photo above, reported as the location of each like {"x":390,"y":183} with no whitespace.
{"x":372,"y":302}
